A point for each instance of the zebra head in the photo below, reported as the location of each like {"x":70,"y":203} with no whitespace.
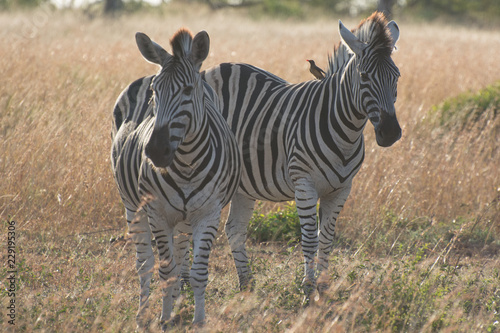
{"x":178,"y":94}
{"x":374,"y":75}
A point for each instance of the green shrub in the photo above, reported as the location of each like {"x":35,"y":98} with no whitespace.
{"x":468,"y":108}
{"x":281,"y":225}
{"x":289,"y":8}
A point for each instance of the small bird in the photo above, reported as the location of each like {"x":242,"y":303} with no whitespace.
{"x":316,"y":71}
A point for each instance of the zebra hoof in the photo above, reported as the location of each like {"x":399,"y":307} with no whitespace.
{"x":308,"y":287}
{"x":143,"y":326}
{"x":248,"y":285}
{"x":167,"y":325}
{"x":143,"y":321}
{"x":322,"y":288}
{"x":199,"y":324}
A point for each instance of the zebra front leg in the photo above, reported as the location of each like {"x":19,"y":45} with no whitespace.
{"x":168,"y":270}
{"x":306,"y":199}
{"x":329,"y":209}
{"x":236,"y":230}
{"x":182,"y":245}
{"x":203,"y":236}
{"x":140,"y":233}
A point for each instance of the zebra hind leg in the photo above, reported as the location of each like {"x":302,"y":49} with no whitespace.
{"x":140,"y":234}
{"x":236,"y":230}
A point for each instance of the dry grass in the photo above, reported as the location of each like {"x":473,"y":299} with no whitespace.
{"x":419,"y":235}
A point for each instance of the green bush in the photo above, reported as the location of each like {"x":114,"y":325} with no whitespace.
{"x":281,"y":225}
{"x":476,"y":11}
{"x":468,"y":108}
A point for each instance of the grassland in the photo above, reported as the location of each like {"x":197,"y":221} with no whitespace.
{"x":418,"y":240}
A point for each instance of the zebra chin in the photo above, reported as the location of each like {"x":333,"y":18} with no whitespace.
{"x":162,"y":164}
{"x":160,"y":158}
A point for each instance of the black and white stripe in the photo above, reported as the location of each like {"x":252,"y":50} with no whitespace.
{"x":176,"y":164}
{"x":304,"y":142}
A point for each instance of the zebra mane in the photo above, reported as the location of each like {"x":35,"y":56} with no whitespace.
{"x":372,"y":31}
{"x":340,"y":58}
{"x":181,"y":43}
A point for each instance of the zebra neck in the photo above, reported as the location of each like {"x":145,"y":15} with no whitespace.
{"x":345,"y":113}
{"x":195,"y":144}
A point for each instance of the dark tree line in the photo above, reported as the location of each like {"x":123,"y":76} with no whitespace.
{"x":112,"y":6}
{"x":386,"y":7}
{"x":430,"y":9}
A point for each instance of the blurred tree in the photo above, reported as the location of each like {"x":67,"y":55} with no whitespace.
{"x":222,"y":4}
{"x":385,"y":6}
{"x":5,"y":4}
{"x":479,"y":11}
{"x":112,"y":6}
{"x":338,"y":6}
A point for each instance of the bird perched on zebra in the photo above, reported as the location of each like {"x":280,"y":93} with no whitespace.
{"x":176,"y":164}
{"x":315,"y":70}
{"x":304,"y":142}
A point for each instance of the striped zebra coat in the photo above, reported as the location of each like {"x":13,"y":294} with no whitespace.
{"x":176,"y":164}
{"x":304,"y":142}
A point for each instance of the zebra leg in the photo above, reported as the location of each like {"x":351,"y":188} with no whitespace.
{"x":236,"y":230}
{"x":203,"y":236}
{"x":306,"y":199}
{"x":181,"y":250}
{"x":168,"y":270}
{"x":140,"y":233}
{"x":329,"y":210}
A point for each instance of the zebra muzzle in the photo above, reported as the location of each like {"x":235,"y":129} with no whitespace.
{"x":388,"y":130}
{"x":159,"y":149}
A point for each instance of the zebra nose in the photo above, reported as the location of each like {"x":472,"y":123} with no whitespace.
{"x":388,"y":131}
{"x":158,"y":149}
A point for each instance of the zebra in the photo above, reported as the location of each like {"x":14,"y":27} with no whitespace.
{"x":176,"y":164}
{"x":304,"y":141}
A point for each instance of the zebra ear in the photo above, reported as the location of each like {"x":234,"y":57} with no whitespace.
{"x":200,"y":48}
{"x":350,"y":40}
{"x":394,"y":29}
{"x":151,"y":51}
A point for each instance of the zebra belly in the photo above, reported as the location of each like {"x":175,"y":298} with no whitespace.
{"x":271,"y":176}
{"x":265,"y":172}
{"x":278,"y":185}
{"x":265,"y":190}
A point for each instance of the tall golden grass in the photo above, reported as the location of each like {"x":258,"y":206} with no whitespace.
{"x":61,"y":73}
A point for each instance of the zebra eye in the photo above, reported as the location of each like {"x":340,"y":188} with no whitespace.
{"x":187,"y":90}
{"x":364,"y":76}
